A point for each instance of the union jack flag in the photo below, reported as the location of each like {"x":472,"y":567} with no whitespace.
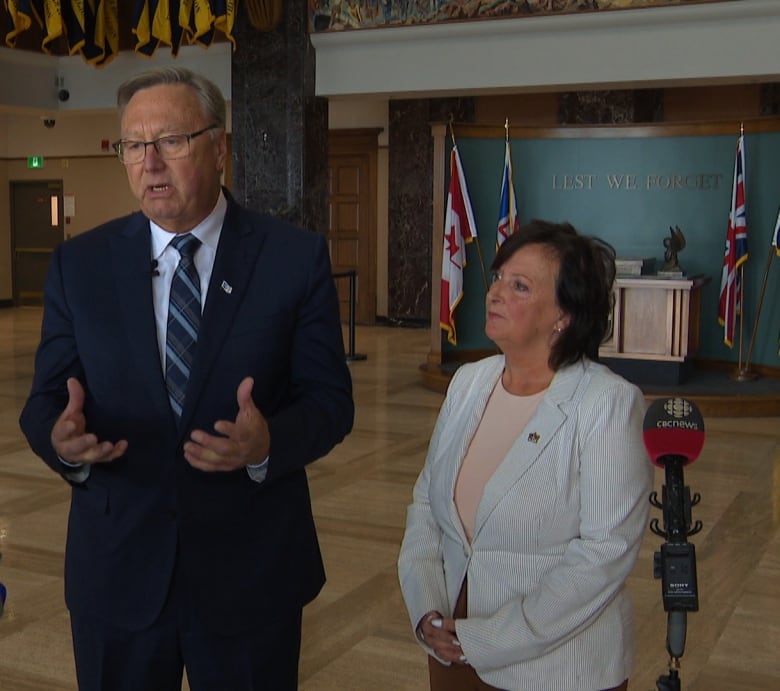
{"x":736,"y":252}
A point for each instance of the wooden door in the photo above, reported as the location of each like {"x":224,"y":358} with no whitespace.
{"x":352,"y":175}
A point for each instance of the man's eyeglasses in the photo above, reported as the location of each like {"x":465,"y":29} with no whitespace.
{"x":170,"y":147}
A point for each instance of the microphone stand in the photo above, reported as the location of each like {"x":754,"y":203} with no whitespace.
{"x":675,"y":563}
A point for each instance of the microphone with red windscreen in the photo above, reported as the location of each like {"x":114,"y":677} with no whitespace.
{"x":673,"y":433}
{"x":673,"y":427}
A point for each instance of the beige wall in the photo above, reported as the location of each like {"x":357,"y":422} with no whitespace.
{"x":72,"y":153}
{"x":99,"y":187}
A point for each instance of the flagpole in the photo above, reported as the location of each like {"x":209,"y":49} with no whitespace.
{"x":482,"y":264}
{"x":452,"y":132}
{"x":746,"y":369}
{"x":772,"y":251}
{"x":743,"y":373}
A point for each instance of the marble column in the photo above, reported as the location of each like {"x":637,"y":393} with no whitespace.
{"x":280,"y":129}
{"x":410,"y":202}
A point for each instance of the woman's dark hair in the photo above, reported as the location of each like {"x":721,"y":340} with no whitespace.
{"x":583,"y":287}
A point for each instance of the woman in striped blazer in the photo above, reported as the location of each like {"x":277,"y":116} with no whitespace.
{"x":529,"y":512}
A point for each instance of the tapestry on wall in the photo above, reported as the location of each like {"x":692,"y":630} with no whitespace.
{"x":337,"y":15}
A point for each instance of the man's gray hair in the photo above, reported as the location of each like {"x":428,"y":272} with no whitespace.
{"x":208,"y":93}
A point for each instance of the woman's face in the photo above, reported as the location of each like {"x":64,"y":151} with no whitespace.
{"x":522,"y":315}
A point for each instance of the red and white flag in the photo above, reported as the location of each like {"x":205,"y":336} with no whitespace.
{"x":736,"y":253}
{"x":508,"y":222}
{"x":459,"y":229}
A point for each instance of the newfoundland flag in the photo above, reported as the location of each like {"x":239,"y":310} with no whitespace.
{"x":459,"y":229}
{"x":736,"y":253}
{"x":508,"y":221}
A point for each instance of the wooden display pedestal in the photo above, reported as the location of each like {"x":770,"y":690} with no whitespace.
{"x":655,"y":328}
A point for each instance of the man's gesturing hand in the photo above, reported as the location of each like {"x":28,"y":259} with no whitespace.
{"x":243,"y":442}
{"x":69,"y":435}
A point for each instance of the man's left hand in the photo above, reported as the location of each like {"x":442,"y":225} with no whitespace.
{"x":243,"y":442}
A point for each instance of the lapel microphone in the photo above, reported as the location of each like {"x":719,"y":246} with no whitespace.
{"x":153,"y":268}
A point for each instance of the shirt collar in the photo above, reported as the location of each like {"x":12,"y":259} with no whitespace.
{"x":207,"y":231}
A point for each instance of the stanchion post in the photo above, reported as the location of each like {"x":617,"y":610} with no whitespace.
{"x":352,"y":275}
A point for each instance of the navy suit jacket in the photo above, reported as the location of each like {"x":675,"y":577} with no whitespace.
{"x":245,"y":549}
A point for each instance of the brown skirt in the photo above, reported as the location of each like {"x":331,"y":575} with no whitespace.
{"x":463,"y":677}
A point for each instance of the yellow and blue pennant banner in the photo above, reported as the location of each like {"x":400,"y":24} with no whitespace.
{"x":91,"y":27}
{"x":172,"y":22}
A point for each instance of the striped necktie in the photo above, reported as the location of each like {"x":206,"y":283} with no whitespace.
{"x":183,"y":321}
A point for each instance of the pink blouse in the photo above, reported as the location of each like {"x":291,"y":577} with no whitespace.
{"x":505,"y":417}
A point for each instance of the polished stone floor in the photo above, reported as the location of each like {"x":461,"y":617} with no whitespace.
{"x":356,"y":637}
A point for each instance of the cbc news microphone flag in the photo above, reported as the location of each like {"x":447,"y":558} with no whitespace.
{"x":459,"y":229}
{"x":736,"y":253}
{"x":508,"y":221}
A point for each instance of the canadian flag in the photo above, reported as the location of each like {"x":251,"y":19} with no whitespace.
{"x":459,"y":229}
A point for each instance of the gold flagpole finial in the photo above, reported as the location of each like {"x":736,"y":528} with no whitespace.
{"x":452,"y":131}
{"x":506,"y":128}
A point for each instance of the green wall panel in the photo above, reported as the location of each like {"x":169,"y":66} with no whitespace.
{"x":629,"y":191}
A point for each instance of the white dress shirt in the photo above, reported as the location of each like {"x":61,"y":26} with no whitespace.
{"x":167,"y":258}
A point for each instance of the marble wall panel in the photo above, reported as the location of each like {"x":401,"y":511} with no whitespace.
{"x":610,"y":107}
{"x":410,"y":203}
{"x":770,"y":100}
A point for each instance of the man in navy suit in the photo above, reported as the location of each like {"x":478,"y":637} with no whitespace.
{"x":191,"y":542}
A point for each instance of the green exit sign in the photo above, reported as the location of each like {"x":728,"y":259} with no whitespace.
{"x":35,"y":161}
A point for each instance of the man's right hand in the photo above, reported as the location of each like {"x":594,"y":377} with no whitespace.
{"x":69,"y":435}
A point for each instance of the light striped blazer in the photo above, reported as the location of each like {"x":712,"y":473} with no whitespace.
{"x":558,"y":531}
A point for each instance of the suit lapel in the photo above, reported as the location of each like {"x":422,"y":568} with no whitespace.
{"x":530,"y":443}
{"x":131,"y":262}
{"x":239,"y":244}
